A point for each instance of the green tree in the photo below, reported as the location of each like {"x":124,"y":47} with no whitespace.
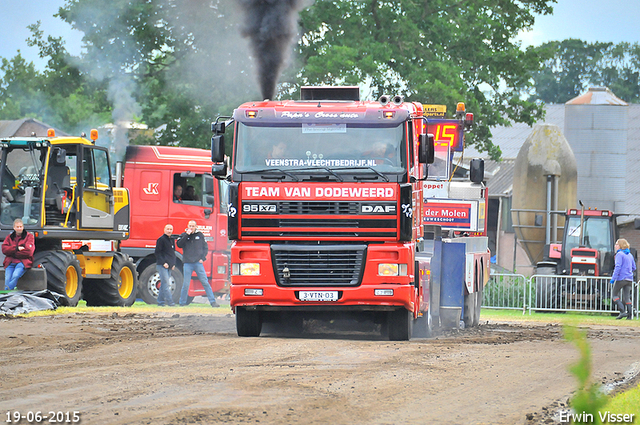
{"x":19,"y":89}
{"x":571,"y":66}
{"x":175,"y":64}
{"x":440,"y":51}
{"x":59,"y":95}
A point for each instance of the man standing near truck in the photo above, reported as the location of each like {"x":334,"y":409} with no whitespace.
{"x":194,"y":254}
{"x":165,"y":262}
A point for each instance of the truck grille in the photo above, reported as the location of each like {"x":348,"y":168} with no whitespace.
{"x":320,"y":220}
{"x":318,"y":265}
{"x":309,"y":207}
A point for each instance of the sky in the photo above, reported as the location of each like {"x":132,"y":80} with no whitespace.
{"x":590,"y":20}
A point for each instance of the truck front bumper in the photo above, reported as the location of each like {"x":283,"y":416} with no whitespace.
{"x":362,"y":298}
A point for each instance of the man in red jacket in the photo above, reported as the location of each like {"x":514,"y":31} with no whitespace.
{"x":18,"y":248}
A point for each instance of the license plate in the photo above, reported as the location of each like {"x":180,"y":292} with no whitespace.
{"x":318,"y":295}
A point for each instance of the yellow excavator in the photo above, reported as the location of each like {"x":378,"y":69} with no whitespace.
{"x":63,"y":191}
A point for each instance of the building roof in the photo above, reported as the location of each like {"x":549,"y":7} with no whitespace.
{"x":510,"y":140}
{"x":500,"y":181}
{"x":597,"y":96}
{"x":25,"y":127}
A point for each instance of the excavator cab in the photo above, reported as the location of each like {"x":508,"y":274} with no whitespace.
{"x":61,"y":188}
{"x":64,"y":183}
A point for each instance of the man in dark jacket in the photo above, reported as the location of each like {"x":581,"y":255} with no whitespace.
{"x":18,"y":248}
{"x":165,"y":262}
{"x":194,"y":253}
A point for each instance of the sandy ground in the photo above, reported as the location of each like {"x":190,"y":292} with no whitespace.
{"x":170,"y":367}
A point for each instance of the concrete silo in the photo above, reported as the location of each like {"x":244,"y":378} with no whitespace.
{"x":544,"y":180}
{"x":596,"y":128}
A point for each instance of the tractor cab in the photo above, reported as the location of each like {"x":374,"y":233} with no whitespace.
{"x":588,"y":246}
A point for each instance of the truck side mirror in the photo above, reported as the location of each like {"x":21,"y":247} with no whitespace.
{"x":219,"y":169}
{"x":217,"y":148}
{"x":476,"y":170}
{"x":218,"y":127}
{"x":426,"y":149}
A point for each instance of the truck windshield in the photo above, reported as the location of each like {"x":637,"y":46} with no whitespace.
{"x":21,"y":185}
{"x":334,"y":146}
{"x":597,"y":234}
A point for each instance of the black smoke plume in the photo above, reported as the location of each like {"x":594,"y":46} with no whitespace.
{"x":271,"y":26}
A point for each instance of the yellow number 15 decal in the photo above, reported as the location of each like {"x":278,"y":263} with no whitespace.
{"x":447,"y":132}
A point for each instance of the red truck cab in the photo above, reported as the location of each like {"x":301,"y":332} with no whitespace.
{"x":325,"y":208}
{"x":173,"y":185}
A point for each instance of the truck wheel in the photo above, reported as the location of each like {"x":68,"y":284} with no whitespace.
{"x":64,"y":275}
{"x":479,"y":297}
{"x":119,"y":289}
{"x":150,"y":280}
{"x":400,"y":323}
{"x":248,"y":323}
{"x":423,"y":326}
{"x":469,"y":309}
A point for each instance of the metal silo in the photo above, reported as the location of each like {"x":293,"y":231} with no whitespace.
{"x":596,"y":128}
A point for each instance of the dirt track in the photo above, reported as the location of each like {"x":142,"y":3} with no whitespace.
{"x":172,"y":368}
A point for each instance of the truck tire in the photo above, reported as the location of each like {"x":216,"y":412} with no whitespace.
{"x":400,"y":324}
{"x":149,"y":281}
{"x":119,"y":289}
{"x":248,"y":322}
{"x":469,"y":309}
{"x":479,"y":297}
{"x":64,"y":275}
{"x":423,"y":326}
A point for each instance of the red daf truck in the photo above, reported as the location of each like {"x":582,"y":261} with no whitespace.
{"x":174,"y":185}
{"x":325,"y":211}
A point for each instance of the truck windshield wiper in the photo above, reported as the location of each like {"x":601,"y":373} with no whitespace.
{"x":328,"y":170}
{"x":366,"y":168}
{"x":270,"y":170}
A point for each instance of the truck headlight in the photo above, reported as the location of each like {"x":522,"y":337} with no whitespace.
{"x":245,"y":269}
{"x":388,"y":269}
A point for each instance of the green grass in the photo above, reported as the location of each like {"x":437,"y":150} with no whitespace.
{"x":569,"y":317}
{"x":627,"y":402}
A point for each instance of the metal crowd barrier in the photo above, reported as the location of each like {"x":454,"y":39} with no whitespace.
{"x":575,"y":293}
{"x":506,"y":291}
{"x":554,"y":293}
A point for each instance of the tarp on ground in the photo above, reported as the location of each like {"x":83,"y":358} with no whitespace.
{"x":25,"y":302}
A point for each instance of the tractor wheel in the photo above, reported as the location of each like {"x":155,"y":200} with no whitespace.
{"x":547,"y":293}
{"x":149,"y":282}
{"x":119,"y":289}
{"x":400,"y":324}
{"x":248,"y":322}
{"x":64,"y":275}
